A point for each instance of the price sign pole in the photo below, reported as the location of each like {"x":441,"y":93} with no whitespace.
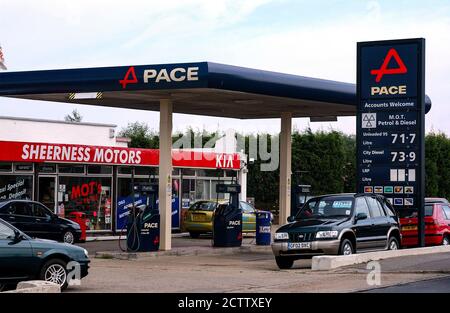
{"x":390,"y":123}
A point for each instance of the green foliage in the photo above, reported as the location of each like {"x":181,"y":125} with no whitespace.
{"x":141,"y":136}
{"x":324,"y":160}
{"x":437,"y":165}
{"x":321,"y":158}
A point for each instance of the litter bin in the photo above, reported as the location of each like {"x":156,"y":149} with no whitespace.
{"x":81,"y":219}
{"x":263,"y":225}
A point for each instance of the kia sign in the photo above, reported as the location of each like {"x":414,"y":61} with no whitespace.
{"x":390,"y":123}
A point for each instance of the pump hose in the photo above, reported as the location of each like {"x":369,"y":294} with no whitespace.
{"x":135,"y":237}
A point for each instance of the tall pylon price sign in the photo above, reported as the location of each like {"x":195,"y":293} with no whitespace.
{"x":391,"y":124}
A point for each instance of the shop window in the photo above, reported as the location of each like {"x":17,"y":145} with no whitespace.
{"x":209,"y":173}
{"x":175,"y":172}
{"x":202,"y":189}
{"x":46,"y":168}
{"x":124,"y":170}
{"x":23,"y":167}
{"x":5,"y":167}
{"x":230,"y":173}
{"x":188,"y":191}
{"x":213,"y":189}
{"x":145,"y":170}
{"x":188,"y":172}
{"x":71,"y":168}
{"x":16,"y":187}
{"x":90,"y":195}
{"x":99,"y":169}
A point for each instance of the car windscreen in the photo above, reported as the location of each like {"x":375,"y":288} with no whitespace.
{"x":203,"y":206}
{"x":413,"y":213}
{"x":327,"y":207}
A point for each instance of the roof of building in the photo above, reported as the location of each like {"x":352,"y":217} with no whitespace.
{"x":42,"y":120}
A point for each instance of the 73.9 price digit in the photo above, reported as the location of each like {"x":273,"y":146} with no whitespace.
{"x":403,"y":156}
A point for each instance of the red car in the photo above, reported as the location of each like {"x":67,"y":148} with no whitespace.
{"x":437,"y":224}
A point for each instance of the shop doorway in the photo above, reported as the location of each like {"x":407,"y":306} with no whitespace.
{"x":47,"y":191}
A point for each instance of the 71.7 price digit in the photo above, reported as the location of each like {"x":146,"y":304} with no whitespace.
{"x":403,"y":138}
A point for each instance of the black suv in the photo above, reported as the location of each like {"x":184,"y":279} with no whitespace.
{"x":337,"y":224}
{"x":37,"y":221}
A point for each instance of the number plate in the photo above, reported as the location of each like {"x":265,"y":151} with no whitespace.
{"x":299,"y":245}
{"x":409,"y":228}
{"x":198,"y":217}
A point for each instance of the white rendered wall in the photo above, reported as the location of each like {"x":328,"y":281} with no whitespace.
{"x":57,"y":132}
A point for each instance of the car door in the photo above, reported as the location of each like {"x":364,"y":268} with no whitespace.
{"x":5,"y":209}
{"x":21,"y":217}
{"x":446,"y":211}
{"x":248,"y":217}
{"x":363,"y":228}
{"x":15,"y":256}
{"x":380,"y":222}
{"x":46,"y":226}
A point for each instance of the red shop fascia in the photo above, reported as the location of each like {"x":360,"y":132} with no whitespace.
{"x":14,"y":151}
{"x":39,"y":153}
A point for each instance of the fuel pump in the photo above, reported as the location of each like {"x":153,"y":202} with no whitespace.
{"x":300,"y":194}
{"x":227,"y":220}
{"x":143,"y":220}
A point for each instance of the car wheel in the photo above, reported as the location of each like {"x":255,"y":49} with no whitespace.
{"x":194,"y":235}
{"x":68,"y":237}
{"x":446,"y":241}
{"x":55,"y":271}
{"x":346,"y":247}
{"x":393,"y":244}
{"x":284,"y":262}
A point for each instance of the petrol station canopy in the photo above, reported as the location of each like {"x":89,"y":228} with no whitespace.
{"x":202,"y":88}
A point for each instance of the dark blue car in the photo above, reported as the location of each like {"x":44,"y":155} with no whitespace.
{"x":37,"y":221}
{"x":24,"y":258}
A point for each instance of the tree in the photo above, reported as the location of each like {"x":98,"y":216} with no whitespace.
{"x":141,"y":136}
{"x":74,"y":117}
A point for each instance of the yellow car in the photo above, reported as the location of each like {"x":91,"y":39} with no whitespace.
{"x":199,"y":217}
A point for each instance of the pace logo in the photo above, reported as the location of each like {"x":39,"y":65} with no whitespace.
{"x":151,"y":225}
{"x":127,"y":80}
{"x":178,"y":74}
{"x":234,"y":223}
{"x":385,"y":70}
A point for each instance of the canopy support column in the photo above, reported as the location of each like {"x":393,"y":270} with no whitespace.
{"x":165,"y":172}
{"x":285,"y":167}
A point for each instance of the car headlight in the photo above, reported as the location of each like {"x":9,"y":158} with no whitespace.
{"x":281,"y":236}
{"x":86,"y":253}
{"x":327,"y":234}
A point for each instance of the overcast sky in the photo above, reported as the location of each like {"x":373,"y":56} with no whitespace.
{"x":309,"y":38}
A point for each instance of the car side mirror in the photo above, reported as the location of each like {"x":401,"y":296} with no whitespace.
{"x":291,"y":219}
{"x":17,"y":236}
{"x":360,"y":216}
